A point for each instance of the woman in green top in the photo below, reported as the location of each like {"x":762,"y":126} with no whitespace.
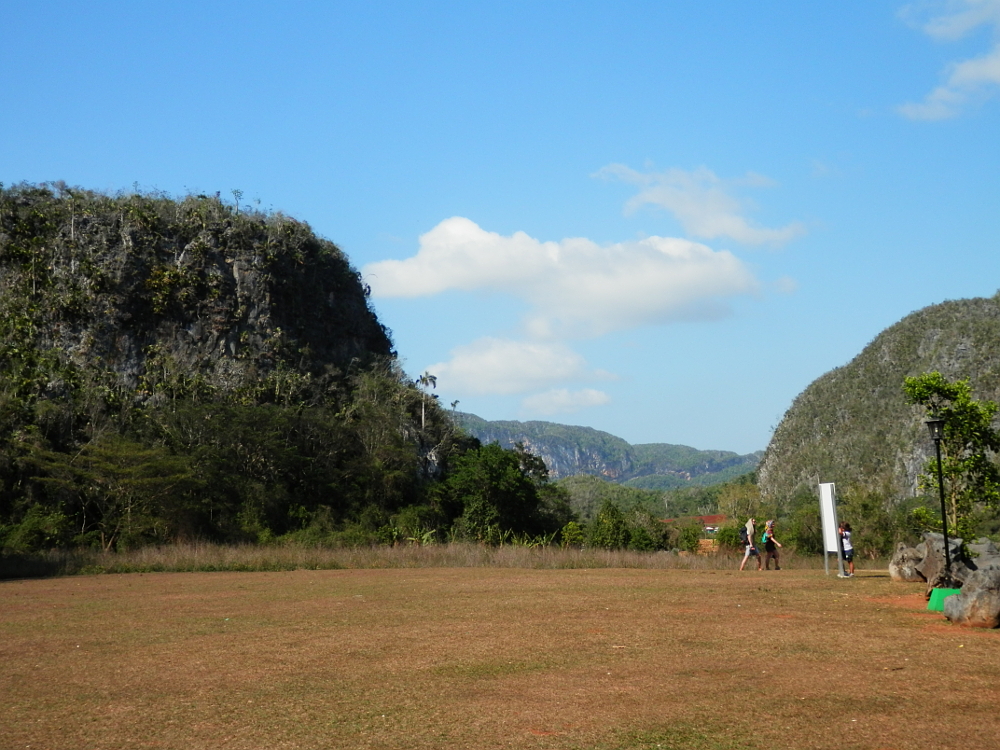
{"x":770,"y":547}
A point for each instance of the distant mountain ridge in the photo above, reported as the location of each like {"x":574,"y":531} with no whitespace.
{"x":569,"y":450}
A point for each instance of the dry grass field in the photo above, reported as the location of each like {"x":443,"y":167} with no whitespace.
{"x":602,"y":659}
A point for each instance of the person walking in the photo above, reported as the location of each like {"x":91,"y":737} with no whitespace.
{"x":751,"y":549}
{"x":771,"y":547}
{"x":847,"y":546}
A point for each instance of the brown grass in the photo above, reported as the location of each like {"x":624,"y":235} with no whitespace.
{"x":481,"y":657}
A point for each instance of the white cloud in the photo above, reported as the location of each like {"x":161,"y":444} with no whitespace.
{"x":702,"y":202}
{"x":503,"y":367}
{"x":575,"y":286}
{"x":966,"y":81}
{"x":563,"y":401}
{"x":941,"y":104}
{"x":966,"y":15}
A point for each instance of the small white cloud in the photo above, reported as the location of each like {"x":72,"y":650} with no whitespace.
{"x":563,"y":401}
{"x":967,"y":15}
{"x":493,"y":366}
{"x":967,"y":81}
{"x":703,"y":203}
{"x":458,"y":254}
{"x":575,"y":286}
{"x":942,"y":103}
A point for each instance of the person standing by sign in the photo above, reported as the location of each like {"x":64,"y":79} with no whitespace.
{"x":748,"y":533}
{"x":847,"y":546}
{"x":771,"y":547}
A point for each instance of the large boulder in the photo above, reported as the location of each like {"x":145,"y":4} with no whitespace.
{"x":903,"y":565}
{"x":984,"y":555}
{"x":978,"y":603}
{"x":932,"y":567}
{"x":984,"y":547}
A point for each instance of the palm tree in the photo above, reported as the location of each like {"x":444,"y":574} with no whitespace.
{"x":424,"y":381}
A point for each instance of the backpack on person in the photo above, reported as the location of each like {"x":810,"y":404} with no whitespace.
{"x":744,"y":537}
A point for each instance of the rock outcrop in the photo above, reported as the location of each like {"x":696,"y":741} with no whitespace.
{"x":978,"y":603}
{"x":903,"y":565}
{"x":569,"y":450}
{"x":932,"y":567}
{"x":978,"y":574}
{"x":153,"y":298}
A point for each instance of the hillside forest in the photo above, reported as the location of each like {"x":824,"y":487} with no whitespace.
{"x":197,"y":369}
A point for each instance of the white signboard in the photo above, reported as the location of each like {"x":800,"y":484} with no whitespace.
{"x":828,"y":512}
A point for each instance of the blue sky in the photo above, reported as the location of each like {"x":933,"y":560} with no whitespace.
{"x":659,"y":219}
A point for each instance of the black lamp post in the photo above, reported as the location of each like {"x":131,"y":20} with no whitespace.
{"x":935,"y":426}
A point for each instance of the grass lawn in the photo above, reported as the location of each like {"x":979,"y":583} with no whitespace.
{"x":601,"y":659}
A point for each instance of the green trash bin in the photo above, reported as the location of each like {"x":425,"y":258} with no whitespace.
{"x":936,"y":603}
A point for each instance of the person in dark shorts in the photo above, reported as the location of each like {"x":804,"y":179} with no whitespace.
{"x":771,"y":547}
{"x":847,"y":546}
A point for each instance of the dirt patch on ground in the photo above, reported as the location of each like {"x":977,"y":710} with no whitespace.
{"x":911,"y":600}
{"x":488,"y":658}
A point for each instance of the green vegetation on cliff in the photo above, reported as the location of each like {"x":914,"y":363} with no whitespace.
{"x":187,"y":369}
{"x":853,"y":425}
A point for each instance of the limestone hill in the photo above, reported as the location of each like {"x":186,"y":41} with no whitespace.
{"x":159,"y":298}
{"x":852,"y":425}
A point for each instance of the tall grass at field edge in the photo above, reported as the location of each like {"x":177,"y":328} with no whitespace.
{"x":205,"y":557}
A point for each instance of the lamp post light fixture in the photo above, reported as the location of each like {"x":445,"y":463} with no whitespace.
{"x":935,"y":425}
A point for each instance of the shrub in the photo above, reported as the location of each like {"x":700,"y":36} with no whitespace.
{"x":728,"y":536}
{"x":355,"y":536}
{"x":572,"y":535}
{"x":40,"y":529}
{"x":608,"y":530}
{"x":689,"y":535}
{"x":641,"y":540}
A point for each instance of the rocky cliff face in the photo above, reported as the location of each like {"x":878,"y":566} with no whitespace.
{"x":181,"y":369}
{"x":566,"y":450}
{"x":853,"y":426}
{"x":164,"y":296}
{"x":569,"y":450}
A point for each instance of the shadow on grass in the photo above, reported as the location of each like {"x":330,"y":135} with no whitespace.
{"x":14,"y":566}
